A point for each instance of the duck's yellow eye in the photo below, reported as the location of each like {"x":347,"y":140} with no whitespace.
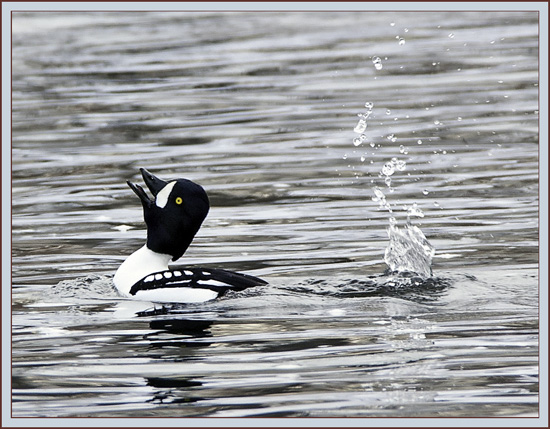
{"x":179,"y":201}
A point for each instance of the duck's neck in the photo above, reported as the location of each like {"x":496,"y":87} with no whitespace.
{"x":138,"y":265}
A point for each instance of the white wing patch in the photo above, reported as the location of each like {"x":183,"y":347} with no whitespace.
{"x":162,"y":196}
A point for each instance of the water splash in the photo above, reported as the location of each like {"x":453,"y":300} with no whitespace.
{"x":409,"y":251}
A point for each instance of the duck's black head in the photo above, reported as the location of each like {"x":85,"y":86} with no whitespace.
{"x":174,"y":215}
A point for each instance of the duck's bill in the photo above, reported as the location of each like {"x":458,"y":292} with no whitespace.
{"x":153,"y":183}
{"x":138,"y":190}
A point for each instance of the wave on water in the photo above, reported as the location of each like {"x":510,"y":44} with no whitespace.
{"x":403,"y":285}
{"x":89,"y":287}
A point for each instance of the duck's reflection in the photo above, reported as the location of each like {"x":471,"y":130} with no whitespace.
{"x":176,"y":323}
{"x":194,"y":328}
{"x":175,"y":338}
{"x":174,"y":334}
{"x":173,"y":390}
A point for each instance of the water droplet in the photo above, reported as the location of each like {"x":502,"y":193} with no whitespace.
{"x":392,"y":138}
{"x":357,"y":141}
{"x":345,"y":156}
{"x":459,"y":119}
{"x":401,"y":41}
{"x":451,"y":36}
{"x":436,"y":122}
{"x":388,"y":112}
{"x":419,"y":141}
{"x":406,"y":30}
{"x":363,"y":159}
{"x":415,"y":211}
{"x":400,"y":165}
{"x":377,"y":63}
{"x":436,"y":204}
{"x":388,"y":169}
{"x":361,"y":126}
{"x":425,"y":192}
{"x":387,"y":181}
{"x":379,"y":194}
{"x":372,"y":144}
{"x":369,"y":105}
{"x":364,"y":116}
{"x":392,"y":24}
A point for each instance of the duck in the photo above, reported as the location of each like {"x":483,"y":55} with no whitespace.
{"x":173,"y":217}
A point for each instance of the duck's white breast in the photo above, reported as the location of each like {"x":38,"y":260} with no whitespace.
{"x":139,"y":264}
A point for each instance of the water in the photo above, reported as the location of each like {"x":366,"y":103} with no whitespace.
{"x":260,"y":109}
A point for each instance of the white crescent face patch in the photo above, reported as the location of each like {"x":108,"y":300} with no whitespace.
{"x":162,"y":196}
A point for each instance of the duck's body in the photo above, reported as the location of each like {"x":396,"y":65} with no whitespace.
{"x":173,"y":218}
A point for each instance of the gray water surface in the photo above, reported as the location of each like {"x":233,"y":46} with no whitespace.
{"x":260,"y":109}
